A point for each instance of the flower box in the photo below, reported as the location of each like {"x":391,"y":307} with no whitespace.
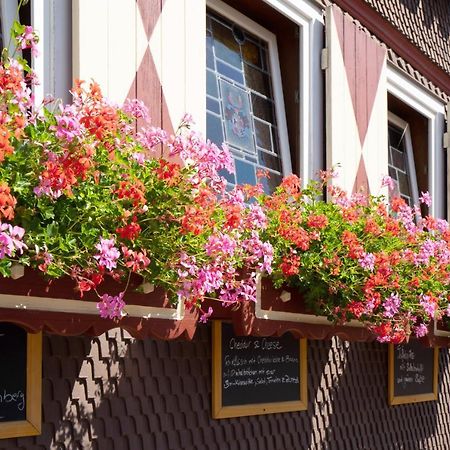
{"x":439,"y":334}
{"x":54,"y":306}
{"x":277,"y":311}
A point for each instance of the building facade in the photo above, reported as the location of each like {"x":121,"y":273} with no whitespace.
{"x":362,"y":84}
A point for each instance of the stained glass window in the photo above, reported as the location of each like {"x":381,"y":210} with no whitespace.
{"x":240,"y":102}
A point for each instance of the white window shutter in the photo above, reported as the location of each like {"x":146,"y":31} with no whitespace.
{"x":356,"y":102}
{"x":151,"y":50}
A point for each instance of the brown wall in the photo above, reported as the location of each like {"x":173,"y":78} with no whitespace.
{"x":109,"y":393}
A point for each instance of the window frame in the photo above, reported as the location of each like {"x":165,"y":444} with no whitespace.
{"x":308,"y":16}
{"x":404,"y":126}
{"x":432,"y":108}
{"x":251,"y":26}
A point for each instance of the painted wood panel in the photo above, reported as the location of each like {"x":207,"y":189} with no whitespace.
{"x":356,"y":104}
{"x":151,"y":50}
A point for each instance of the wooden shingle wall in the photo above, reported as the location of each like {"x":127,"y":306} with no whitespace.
{"x":114,"y":392}
{"x":425,"y":23}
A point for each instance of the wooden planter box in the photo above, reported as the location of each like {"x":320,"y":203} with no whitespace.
{"x":277,"y":311}
{"x":39,"y":304}
{"x":439,"y":334}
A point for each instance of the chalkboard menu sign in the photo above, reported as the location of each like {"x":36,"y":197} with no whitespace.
{"x":257,"y":375}
{"x":20,"y":381}
{"x":13,"y":373}
{"x":413,"y":373}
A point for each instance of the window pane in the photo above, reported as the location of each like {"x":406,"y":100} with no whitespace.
{"x":257,"y":80}
{"x":272,"y":182}
{"x":398,"y":159}
{"x":212,"y":105}
{"x":226,"y":47}
{"x":209,"y":51}
{"x":263,"y":138}
{"x":251,"y":53}
{"x":269,"y":161}
{"x":214,"y":129}
{"x":230,"y":72}
{"x":245,"y":172}
{"x":238,"y":120}
{"x":262,"y":108}
{"x":211,"y":84}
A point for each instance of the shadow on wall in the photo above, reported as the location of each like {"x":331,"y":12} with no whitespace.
{"x":78,"y":373}
{"x":360,"y":417}
{"x":114,"y":392}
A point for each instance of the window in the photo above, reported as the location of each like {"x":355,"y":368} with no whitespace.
{"x":244,"y":102}
{"x":418,"y":115}
{"x":401,"y":159}
{"x":264,"y":86}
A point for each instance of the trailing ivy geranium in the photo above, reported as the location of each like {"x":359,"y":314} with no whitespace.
{"x":359,"y":258}
{"x":88,"y":194}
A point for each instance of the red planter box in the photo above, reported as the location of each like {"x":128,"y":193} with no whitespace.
{"x":54,"y":306}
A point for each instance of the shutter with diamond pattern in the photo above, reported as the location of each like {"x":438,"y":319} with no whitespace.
{"x":150,"y":50}
{"x":356,"y":105}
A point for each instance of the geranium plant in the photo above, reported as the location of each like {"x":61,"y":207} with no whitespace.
{"x":83,"y":195}
{"x":359,"y":258}
{"x":86,"y":194}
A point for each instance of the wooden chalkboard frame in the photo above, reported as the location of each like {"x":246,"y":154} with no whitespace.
{"x":31,"y":426}
{"x":403,"y":399}
{"x":222,"y":412}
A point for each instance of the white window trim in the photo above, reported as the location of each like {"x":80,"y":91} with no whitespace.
{"x":51,"y":19}
{"x":415,"y":96}
{"x":39,"y":66}
{"x":404,"y":126}
{"x":248,"y":24}
{"x":8,"y":12}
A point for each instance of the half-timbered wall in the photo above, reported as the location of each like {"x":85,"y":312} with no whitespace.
{"x":356,"y":103}
{"x":150,"y":50}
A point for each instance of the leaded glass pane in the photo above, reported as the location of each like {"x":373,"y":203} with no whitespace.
{"x":211,"y":84}
{"x":257,"y":80}
{"x":238,"y":76}
{"x":263,"y":136}
{"x":272,"y":182}
{"x":229,"y":72}
{"x":212,"y":105}
{"x":214,"y":130}
{"x":251,"y":53}
{"x":225,"y":45}
{"x":245,"y":172}
{"x":238,"y":121}
{"x":269,"y":160}
{"x":262,"y":108}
